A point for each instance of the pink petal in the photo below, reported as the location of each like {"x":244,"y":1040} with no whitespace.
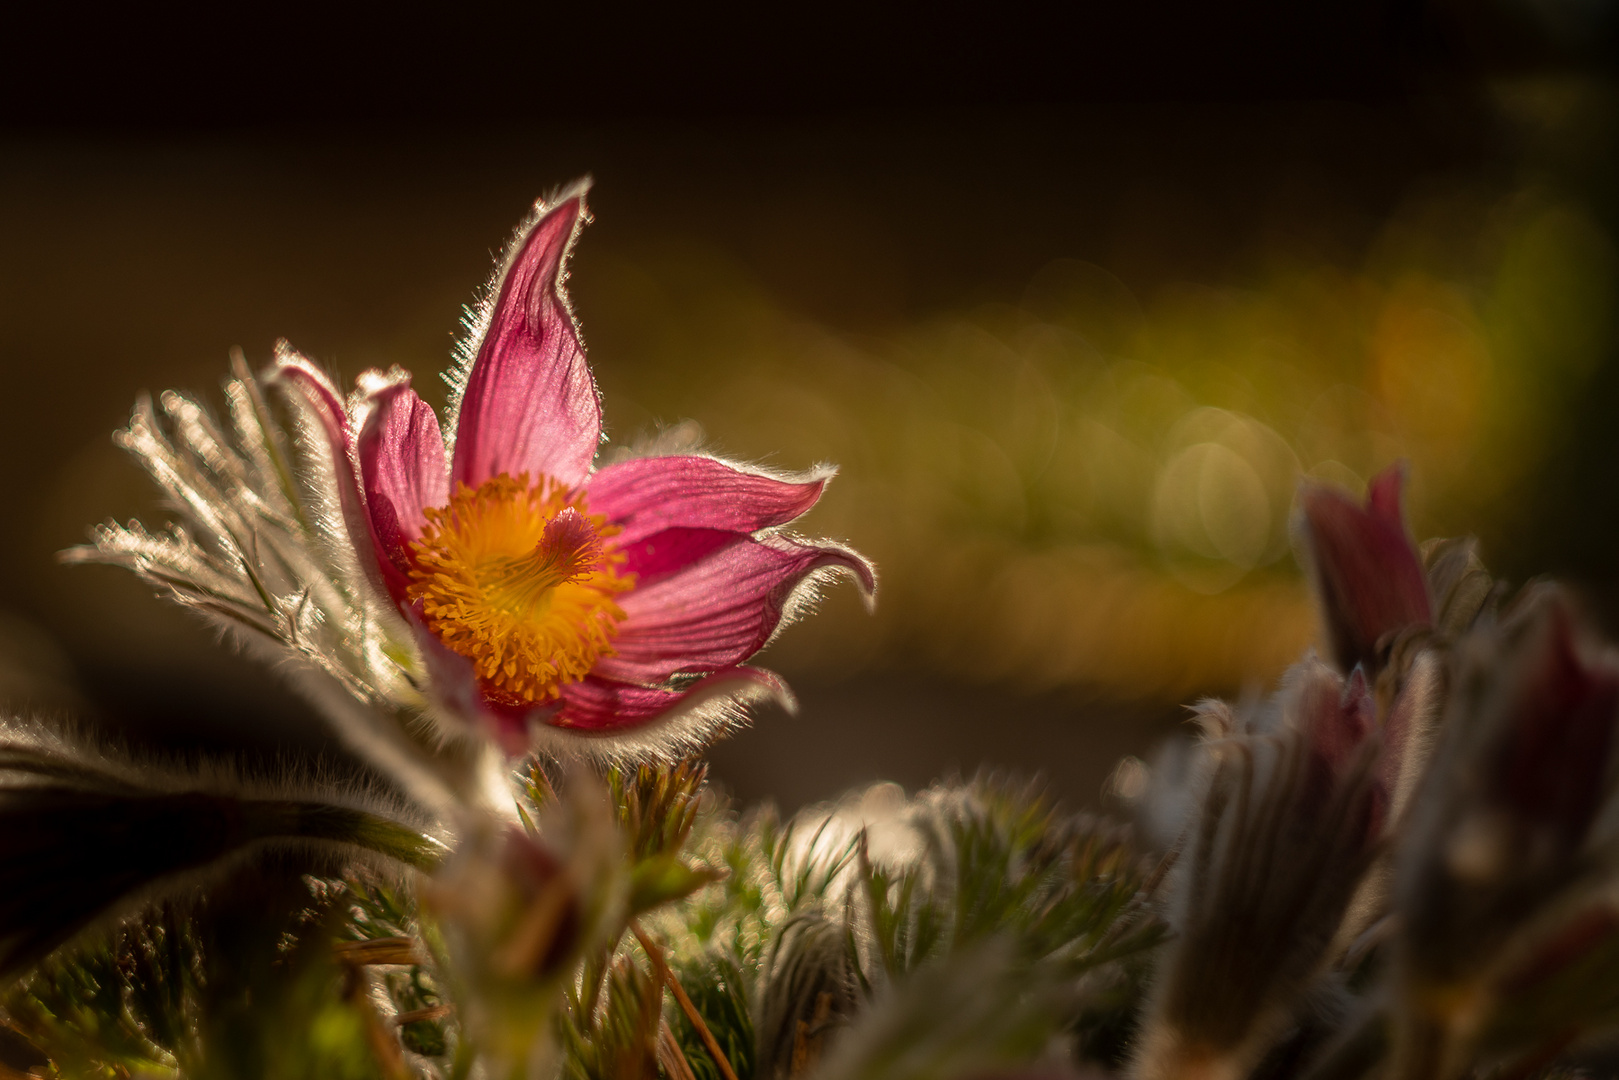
{"x":666,"y":552}
{"x":402,"y":472}
{"x":720,"y":609}
{"x":601,"y":706}
{"x":647,"y":495}
{"x":530,"y":404}
{"x":326,"y":403}
{"x":1369,"y":578}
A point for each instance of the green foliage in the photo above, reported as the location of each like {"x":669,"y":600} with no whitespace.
{"x":997,"y":861}
{"x":980,"y":1011}
{"x":808,"y":928}
{"x":789,"y":938}
{"x":204,"y":992}
{"x":125,"y":1001}
{"x":719,"y":990}
{"x":619,"y":1039}
{"x":657,"y":808}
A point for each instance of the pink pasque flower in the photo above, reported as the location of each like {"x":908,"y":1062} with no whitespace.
{"x":422,"y":584}
{"x":543,"y":591}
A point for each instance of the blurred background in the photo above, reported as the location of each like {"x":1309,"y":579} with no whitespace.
{"x":1074,"y":300}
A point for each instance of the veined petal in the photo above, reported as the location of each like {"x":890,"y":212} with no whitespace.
{"x":723,"y":607}
{"x":672,"y":550}
{"x":603,"y":706}
{"x":326,"y":405}
{"x":644,"y":496}
{"x":402,"y":471}
{"x":530,"y":404}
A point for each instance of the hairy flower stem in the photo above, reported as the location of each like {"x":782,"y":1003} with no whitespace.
{"x":655,"y":954}
{"x":323,"y":821}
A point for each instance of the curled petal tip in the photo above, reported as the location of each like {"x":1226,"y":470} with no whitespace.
{"x":288,"y":361}
{"x":374,"y":386}
{"x":859,"y":569}
{"x":775,"y":686}
{"x":576,"y":189}
{"x":865,"y":578}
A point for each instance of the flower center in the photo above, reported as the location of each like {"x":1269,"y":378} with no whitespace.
{"x":516,"y":579}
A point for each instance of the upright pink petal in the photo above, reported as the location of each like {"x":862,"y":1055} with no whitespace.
{"x":326,"y":405}
{"x":530,"y":403}
{"x":647,"y":495}
{"x":720,"y":609}
{"x":601,"y":706}
{"x":1369,"y":578}
{"x":402,"y":471}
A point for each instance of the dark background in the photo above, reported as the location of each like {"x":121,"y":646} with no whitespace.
{"x":176,"y":183}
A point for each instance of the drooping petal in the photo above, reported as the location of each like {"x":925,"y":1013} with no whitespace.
{"x":722,"y":608}
{"x":402,"y":471}
{"x":644,"y":496}
{"x":603,"y":706}
{"x":1368,"y":576}
{"x":530,"y":405}
{"x":325,"y":404}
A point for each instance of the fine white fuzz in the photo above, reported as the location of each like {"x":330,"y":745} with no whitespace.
{"x":262,"y":552}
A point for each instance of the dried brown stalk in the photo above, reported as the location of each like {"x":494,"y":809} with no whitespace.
{"x":655,"y":954}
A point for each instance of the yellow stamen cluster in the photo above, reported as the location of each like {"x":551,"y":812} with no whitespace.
{"x":515,"y":578}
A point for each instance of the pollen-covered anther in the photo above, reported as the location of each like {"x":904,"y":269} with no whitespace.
{"x":517,"y":578}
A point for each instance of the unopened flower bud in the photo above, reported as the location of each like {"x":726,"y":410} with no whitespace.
{"x":1369,"y":579}
{"x":1288,"y":827}
{"x":1502,"y":824}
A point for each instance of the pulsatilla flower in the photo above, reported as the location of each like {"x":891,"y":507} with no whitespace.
{"x":1290,"y":823}
{"x":483,"y":575}
{"x":1377,"y":605}
{"x":1369,"y":578}
{"x":1507,"y":835}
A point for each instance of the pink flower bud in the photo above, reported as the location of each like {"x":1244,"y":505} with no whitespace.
{"x":1368,"y":576}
